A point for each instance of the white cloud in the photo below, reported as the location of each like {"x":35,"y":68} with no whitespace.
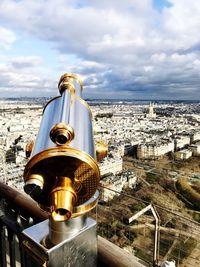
{"x":24,"y":76}
{"x":26,"y":62}
{"x":7,"y":38}
{"x":125,"y":45}
{"x":181,"y":23}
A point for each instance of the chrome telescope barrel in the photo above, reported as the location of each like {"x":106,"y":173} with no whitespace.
{"x":62,"y":173}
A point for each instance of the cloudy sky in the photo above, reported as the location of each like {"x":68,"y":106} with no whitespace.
{"x":147,"y":49}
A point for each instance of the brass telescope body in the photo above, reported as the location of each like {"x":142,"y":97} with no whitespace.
{"x":62,"y":174}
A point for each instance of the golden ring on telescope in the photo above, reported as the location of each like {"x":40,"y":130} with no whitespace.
{"x":65,"y":79}
{"x":62,"y":134}
{"x":67,"y":86}
{"x":65,"y":161}
{"x":82,"y":208}
{"x":62,"y":151}
{"x":87,"y":206}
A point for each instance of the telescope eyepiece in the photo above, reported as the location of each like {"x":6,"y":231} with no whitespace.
{"x":61,"y":134}
{"x":61,"y":139}
{"x":63,"y":199}
{"x":34,"y":185}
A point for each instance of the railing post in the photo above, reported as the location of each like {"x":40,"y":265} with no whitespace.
{"x":22,"y":253}
{"x":11,"y":242}
{"x":2,"y":246}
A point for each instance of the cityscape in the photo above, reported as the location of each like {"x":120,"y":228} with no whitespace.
{"x":151,"y":162}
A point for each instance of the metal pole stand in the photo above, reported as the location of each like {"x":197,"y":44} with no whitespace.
{"x":70,"y":243}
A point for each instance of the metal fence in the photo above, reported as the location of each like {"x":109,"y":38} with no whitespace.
{"x":179,"y":235}
{"x":18,"y":212}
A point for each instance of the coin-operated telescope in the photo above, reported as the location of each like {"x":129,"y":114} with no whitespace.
{"x":62,"y":174}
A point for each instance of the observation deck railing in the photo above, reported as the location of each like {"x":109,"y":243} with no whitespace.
{"x":125,"y":219}
{"x":18,"y":212}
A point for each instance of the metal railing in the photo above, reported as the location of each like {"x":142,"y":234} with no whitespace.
{"x":18,"y":212}
{"x":122,"y":221}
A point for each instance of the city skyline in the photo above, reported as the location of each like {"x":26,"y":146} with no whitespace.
{"x":131,"y":50}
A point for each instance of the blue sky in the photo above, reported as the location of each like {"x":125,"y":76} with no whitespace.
{"x":161,"y":4}
{"x":130,"y":49}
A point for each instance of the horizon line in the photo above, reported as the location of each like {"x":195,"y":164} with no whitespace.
{"x":99,"y":99}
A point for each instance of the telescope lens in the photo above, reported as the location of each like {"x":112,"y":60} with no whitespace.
{"x":61,"y":134}
{"x":34,"y":185}
{"x":33,"y":190}
{"x":61,"y":139}
{"x":61,"y":212}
